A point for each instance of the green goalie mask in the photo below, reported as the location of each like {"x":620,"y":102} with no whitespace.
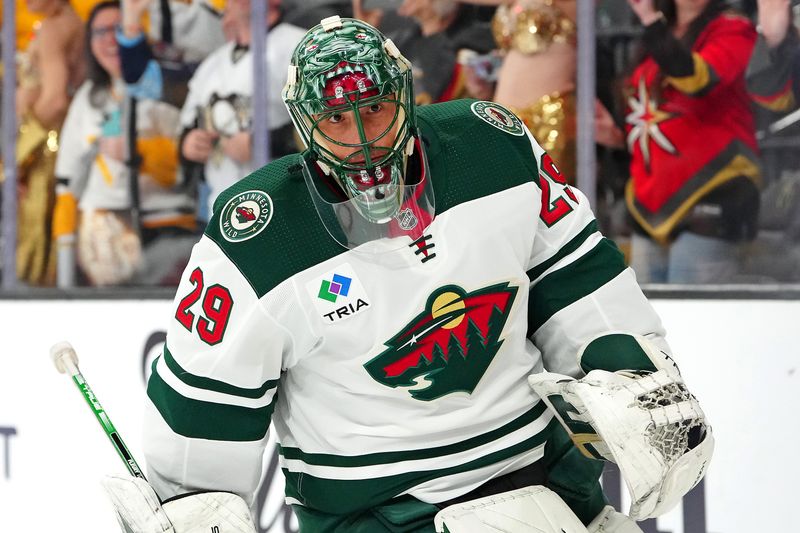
{"x":350,"y":95}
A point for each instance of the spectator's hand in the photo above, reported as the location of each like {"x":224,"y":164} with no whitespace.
{"x":606,"y":131}
{"x":645,"y":10}
{"x":476,"y":86}
{"x":113,"y":147}
{"x":237,"y":147}
{"x":409,"y":7}
{"x":132,"y":12}
{"x":198,"y":144}
{"x":773,"y":20}
{"x":372,"y":17}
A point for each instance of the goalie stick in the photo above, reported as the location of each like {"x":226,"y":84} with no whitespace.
{"x":136,"y":504}
{"x":66,"y":361}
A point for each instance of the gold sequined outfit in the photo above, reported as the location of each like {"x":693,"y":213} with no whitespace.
{"x":531,"y":29}
{"x":36,"y":152}
{"x":37,"y":148}
{"x":552,"y":122}
{"x":551,"y":119}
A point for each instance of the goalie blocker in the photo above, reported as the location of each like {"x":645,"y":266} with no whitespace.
{"x":640,"y":416}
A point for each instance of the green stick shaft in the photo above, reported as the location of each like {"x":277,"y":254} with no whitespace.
{"x":108,"y":427}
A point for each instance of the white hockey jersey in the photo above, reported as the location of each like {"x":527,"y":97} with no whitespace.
{"x":390,"y":374}
{"x":101,"y":182}
{"x":219,"y":99}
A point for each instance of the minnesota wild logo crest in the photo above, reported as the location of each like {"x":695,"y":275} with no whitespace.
{"x":450,"y":344}
{"x":245,"y":215}
{"x":499,"y":117}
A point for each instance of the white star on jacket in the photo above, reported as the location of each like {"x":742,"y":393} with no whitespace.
{"x":644,"y":119}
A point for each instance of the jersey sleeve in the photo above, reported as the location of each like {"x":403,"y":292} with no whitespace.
{"x":212,"y":392}
{"x":721,"y":59}
{"x":771,"y":74}
{"x":76,"y":146}
{"x":580,"y":287}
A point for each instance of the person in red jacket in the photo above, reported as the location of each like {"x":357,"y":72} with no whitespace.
{"x":694,"y":188}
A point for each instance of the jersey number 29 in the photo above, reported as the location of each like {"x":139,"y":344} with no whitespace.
{"x":554,"y":205}
{"x":217,"y":305}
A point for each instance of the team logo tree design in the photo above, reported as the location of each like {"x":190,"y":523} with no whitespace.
{"x":449,"y":345}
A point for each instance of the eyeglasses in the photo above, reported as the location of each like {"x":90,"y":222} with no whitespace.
{"x":102,"y":31}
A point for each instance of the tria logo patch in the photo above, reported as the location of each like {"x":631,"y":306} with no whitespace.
{"x":449,"y":345}
{"x":338,"y":295}
{"x":499,"y":117}
{"x":338,"y":286}
{"x":245,"y":215}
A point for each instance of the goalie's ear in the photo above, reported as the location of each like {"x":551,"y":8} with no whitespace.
{"x":625,"y":353}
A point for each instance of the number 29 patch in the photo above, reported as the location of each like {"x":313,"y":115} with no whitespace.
{"x":217,"y":304}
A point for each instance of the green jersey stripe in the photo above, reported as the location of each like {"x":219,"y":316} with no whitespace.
{"x":379,"y":458}
{"x":567,"y":285}
{"x":199,"y":419}
{"x":201,"y":382}
{"x":590,"y":229}
{"x":347,"y":496}
{"x":616,"y":352}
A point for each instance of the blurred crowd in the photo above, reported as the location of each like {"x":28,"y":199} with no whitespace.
{"x":135,"y":114}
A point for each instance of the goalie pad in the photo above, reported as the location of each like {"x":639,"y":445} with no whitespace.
{"x":534,"y":509}
{"x":649,"y":425}
{"x":611,"y":521}
{"x":138,"y":509}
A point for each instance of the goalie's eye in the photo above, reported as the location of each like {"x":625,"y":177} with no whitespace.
{"x":375,"y":108}
{"x":336,"y":118}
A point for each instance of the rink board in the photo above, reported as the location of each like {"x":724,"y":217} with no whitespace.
{"x":740,"y":358}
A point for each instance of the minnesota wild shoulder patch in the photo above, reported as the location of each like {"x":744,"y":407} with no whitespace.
{"x":245,"y":215}
{"x":499,"y":117}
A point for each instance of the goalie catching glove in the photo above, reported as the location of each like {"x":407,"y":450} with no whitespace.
{"x":640,"y":416}
{"x":139,"y":510}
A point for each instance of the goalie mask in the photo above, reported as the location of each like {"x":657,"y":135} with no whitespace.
{"x":349,"y":93}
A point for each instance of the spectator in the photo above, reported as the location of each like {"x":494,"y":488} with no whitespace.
{"x":94,"y":177}
{"x":445,"y":35}
{"x":693,"y":192}
{"x":53,"y":64}
{"x":538,"y":75}
{"x":773,"y":79}
{"x":181,"y":34}
{"x":773,"y":75}
{"x":217,"y":112}
{"x":50,"y":69}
